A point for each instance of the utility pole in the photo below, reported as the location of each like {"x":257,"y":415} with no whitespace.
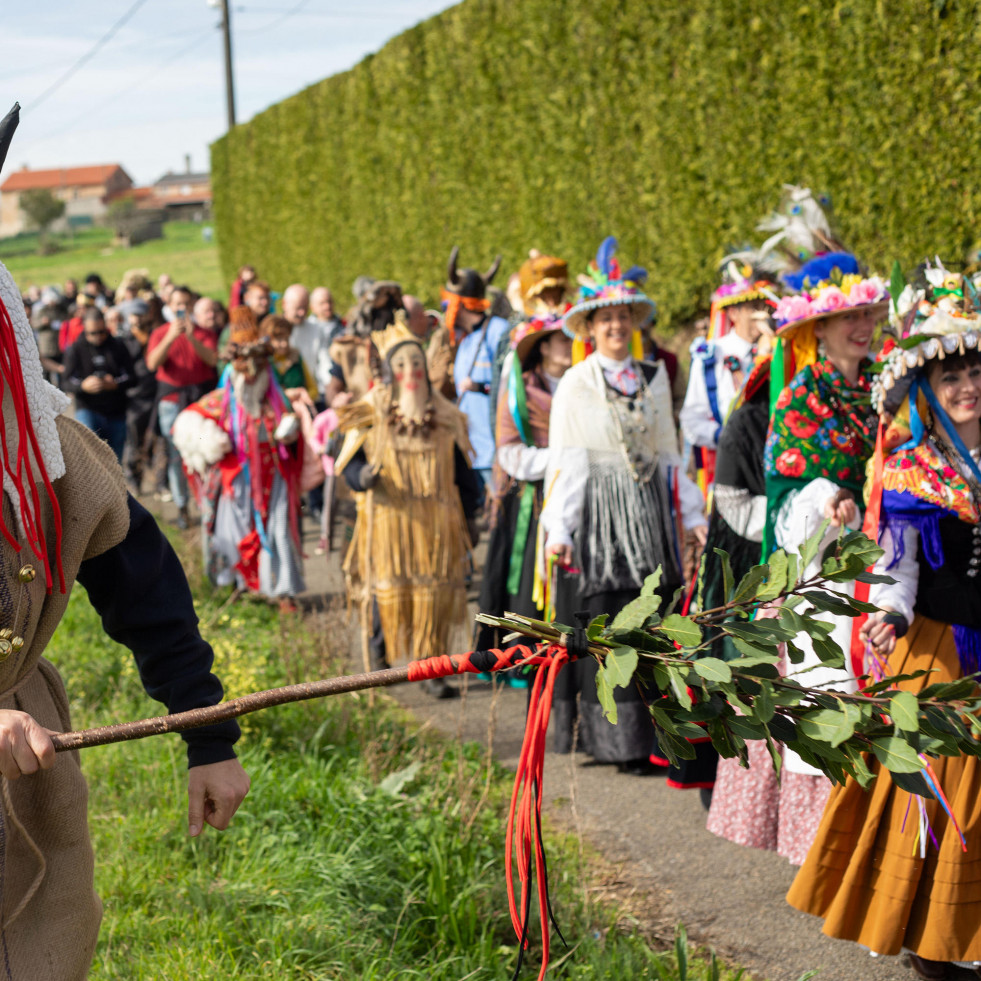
{"x":226,"y":29}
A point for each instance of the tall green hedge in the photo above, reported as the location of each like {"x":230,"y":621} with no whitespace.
{"x":501,"y":125}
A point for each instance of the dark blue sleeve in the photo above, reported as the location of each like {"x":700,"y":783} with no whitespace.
{"x":140,"y":591}
{"x":352,"y":472}
{"x":471,"y":492}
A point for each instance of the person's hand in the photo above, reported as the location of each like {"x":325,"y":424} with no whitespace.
{"x":341,"y":399}
{"x":878,"y":633}
{"x":92,"y":384}
{"x":214,"y":792}
{"x":109,"y":384}
{"x":467,"y":385}
{"x":25,"y":745}
{"x":841,"y":510}
{"x":562,"y":553}
{"x":701,"y":534}
{"x":298,"y":395}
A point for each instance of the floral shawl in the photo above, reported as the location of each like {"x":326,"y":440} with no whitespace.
{"x":821,"y":427}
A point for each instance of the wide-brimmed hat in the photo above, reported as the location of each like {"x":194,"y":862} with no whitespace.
{"x":849,"y":294}
{"x":531,"y":333}
{"x":604,"y":286}
{"x":940,"y":319}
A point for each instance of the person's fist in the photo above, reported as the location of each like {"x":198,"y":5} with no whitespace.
{"x":25,"y":745}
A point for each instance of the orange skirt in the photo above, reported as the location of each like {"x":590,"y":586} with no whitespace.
{"x":864,"y":874}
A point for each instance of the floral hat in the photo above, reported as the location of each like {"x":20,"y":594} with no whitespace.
{"x":817,"y":303}
{"x":940,"y":319}
{"x":606,"y":287}
{"x":741,"y":283}
{"x":531,"y":332}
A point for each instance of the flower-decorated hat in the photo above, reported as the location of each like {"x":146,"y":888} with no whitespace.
{"x":741,"y":283}
{"x":815,"y":303}
{"x":606,"y":287}
{"x":530,"y":333}
{"x":939,"y":319}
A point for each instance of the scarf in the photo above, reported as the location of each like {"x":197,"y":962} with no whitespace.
{"x":822,"y":426}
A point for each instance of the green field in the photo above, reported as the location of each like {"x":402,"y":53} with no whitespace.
{"x":182,"y":253}
{"x":365,"y":850}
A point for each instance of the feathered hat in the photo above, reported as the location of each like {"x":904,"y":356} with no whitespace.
{"x":604,"y":286}
{"x":939,"y":318}
{"x":244,"y":338}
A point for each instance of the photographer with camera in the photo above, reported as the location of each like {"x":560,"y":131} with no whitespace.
{"x":98,"y":370}
{"x":183,"y":355}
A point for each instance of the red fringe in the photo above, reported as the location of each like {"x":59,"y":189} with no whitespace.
{"x":28,"y":457}
{"x":524,"y":825}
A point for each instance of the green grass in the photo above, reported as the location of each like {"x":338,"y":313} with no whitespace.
{"x":365,"y":850}
{"x":182,"y":253}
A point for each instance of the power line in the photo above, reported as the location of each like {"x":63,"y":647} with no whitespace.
{"x":108,"y":36}
{"x":272,"y":25}
{"x":84,"y":120}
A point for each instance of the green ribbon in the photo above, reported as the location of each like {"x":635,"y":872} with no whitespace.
{"x":525,"y":511}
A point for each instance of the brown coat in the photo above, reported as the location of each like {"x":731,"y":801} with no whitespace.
{"x":50,"y":912}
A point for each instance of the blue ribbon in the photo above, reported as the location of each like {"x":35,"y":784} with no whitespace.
{"x":923,"y":385}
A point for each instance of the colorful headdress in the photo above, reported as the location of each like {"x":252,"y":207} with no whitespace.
{"x":539,"y":273}
{"x":606,"y":287}
{"x":741,"y":283}
{"x":244,"y":339}
{"x":941,"y":318}
{"x":530,"y":333}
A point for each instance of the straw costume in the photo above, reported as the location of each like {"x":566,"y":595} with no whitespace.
{"x":889,"y":870}
{"x":66,"y":517}
{"x":821,"y":435}
{"x":614,"y":490}
{"x":411,"y":543}
{"x":241,"y":441}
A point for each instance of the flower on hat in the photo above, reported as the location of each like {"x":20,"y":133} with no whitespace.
{"x":829,"y":299}
{"x":792,"y":308}
{"x":867,"y":291}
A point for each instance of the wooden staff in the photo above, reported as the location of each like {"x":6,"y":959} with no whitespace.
{"x":211,"y":714}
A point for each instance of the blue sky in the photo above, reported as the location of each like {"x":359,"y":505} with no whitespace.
{"x":156,"y":90}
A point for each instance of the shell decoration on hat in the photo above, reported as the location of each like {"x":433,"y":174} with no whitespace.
{"x":605,"y":286}
{"x":940,"y":319}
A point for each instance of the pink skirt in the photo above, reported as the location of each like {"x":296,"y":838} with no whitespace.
{"x":750,"y":808}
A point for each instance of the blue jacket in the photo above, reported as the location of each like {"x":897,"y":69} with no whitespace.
{"x":475,"y":359}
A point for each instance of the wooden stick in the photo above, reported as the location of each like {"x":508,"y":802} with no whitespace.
{"x":211,"y":714}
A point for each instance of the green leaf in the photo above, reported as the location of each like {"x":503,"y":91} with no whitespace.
{"x":763,"y":704}
{"x":636,"y":613}
{"x":776,"y":580}
{"x":674,"y":748}
{"x":749,"y":584}
{"x":604,"y":692}
{"x":596,"y":626}
{"x":727,"y":579}
{"x":808,"y":551}
{"x":663,"y":721}
{"x":620,"y":664}
{"x":651,"y":584}
{"x":776,"y":757}
{"x":904,"y":710}
{"x":829,"y":602}
{"x":895,"y":754}
{"x":821,"y":725}
{"x":679,"y":685}
{"x":850,"y":717}
{"x":712,"y":669}
{"x":747,"y":727}
{"x":681,"y":630}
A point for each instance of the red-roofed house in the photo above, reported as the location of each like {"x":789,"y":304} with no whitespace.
{"x":85,"y":191}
